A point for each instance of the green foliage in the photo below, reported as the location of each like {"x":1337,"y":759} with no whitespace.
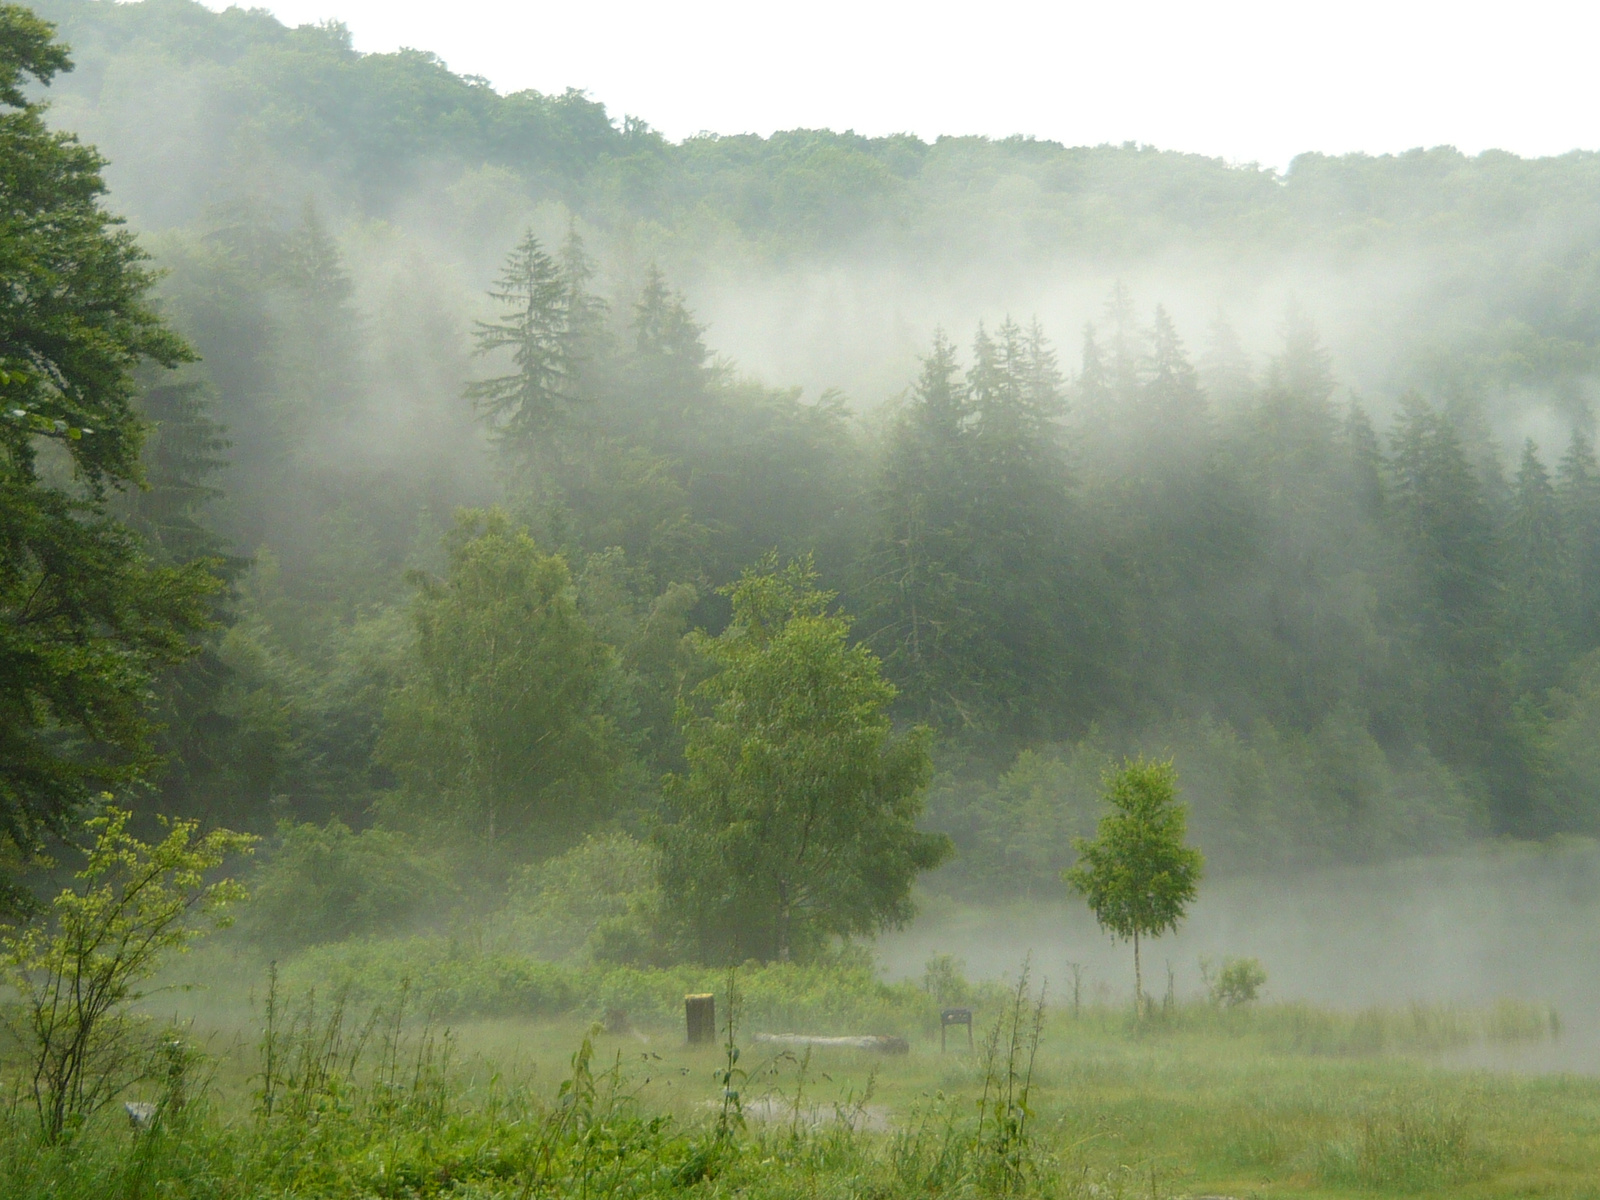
{"x":539,"y":328}
{"x":459,"y":979}
{"x":796,"y":820}
{"x":85,"y":618}
{"x":502,"y":724}
{"x":332,"y":1096}
{"x":1357,"y":626}
{"x":77,"y":974}
{"x":1136,"y":874}
{"x":944,"y":978}
{"x":971,"y":556}
{"x":326,"y":883}
{"x":1238,"y":981}
{"x":600,"y":898}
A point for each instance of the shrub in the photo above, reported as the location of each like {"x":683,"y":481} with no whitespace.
{"x":325,"y":883}
{"x":75,"y":974}
{"x":1238,"y":982}
{"x":944,"y":978}
{"x":454,"y":980}
{"x":598,"y":900}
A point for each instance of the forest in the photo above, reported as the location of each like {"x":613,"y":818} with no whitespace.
{"x":386,"y":513}
{"x":1360,"y":620}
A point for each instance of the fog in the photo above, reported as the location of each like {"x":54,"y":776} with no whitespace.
{"x":1503,"y":923}
{"x":1223,"y":590}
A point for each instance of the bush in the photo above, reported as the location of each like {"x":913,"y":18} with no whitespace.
{"x":599,"y":900}
{"x":1239,"y":982}
{"x":446,"y":979}
{"x":453,"y":979}
{"x":944,"y":978}
{"x":327,"y":883}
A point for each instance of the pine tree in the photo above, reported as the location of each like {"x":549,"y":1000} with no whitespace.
{"x":1295,"y":413}
{"x":665,"y":329}
{"x":1444,"y":517}
{"x":184,"y":452}
{"x":1304,"y":368}
{"x":920,"y":612}
{"x":671,"y":374}
{"x":86,"y":618}
{"x":1225,"y":367}
{"x":1175,"y":421}
{"x":1578,"y":495}
{"x":1538,"y":571}
{"x":1023,"y":524}
{"x":320,"y":341}
{"x":1093,"y":403}
{"x":1364,"y":462}
{"x":1125,"y":349}
{"x":589,"y":349}
{"x":523,"y":409}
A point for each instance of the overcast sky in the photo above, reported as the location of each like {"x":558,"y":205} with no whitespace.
{"x":1247,"y":81}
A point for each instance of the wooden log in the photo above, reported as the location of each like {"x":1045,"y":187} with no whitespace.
{"x":879,"y":1043}
{"x":700,"y":1015}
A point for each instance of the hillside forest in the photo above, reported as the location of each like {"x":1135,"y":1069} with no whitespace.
{"x":443,"y":537}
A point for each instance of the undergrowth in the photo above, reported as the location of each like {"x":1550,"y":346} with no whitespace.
{"x":350,"y":1103}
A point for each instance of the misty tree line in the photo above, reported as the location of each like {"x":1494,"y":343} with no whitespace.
{"x":1356,"y":641}
{"x":1359,"y":634}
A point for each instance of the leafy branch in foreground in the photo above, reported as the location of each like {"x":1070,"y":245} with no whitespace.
{"x":76,"y":972}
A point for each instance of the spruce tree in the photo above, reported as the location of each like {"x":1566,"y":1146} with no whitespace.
{"x":524,"y":408}
{"x":86,"y":618}
{"x":1447,"y":526}
{"x":1578,"y":495}
{"x":1537,"y":575}
{"x":921,"y":597}
{"x":1175,"y":421}
{"x":319,"y":345}
{"x":1225,"y":367}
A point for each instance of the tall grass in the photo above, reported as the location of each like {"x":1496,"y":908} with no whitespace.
{"x":1296,"y":1027}
{"x":336,"y":1096}
{"x":1404,"y":1150}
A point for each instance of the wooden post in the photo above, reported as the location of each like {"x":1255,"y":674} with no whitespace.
{"x":700,"y":1014}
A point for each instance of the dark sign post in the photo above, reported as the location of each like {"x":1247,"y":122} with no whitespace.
{"x":700,"y":1013}
{"x":954,"y":1016}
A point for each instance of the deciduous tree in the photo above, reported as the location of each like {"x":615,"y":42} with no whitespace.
{"x":1136,"y":873}
{"x":797,"y":817}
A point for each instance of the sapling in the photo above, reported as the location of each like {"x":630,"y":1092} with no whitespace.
{"x":1136,"y":872}
{"x":78,"y":970}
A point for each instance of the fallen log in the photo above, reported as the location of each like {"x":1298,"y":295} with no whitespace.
{"x":878,"y":1043}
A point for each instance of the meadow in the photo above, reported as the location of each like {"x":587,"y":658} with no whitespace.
{"x":308,"y":1083}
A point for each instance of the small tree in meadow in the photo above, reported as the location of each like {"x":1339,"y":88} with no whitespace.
{"x":73,"y":977}
{"x":1136,"y":872}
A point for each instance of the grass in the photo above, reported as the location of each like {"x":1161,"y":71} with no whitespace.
{"x":1271,"y":1100}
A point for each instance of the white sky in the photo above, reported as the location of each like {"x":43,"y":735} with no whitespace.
{"x":1245,"y":80}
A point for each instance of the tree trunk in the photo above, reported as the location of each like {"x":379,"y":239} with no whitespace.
{"x":1138,"y":980}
